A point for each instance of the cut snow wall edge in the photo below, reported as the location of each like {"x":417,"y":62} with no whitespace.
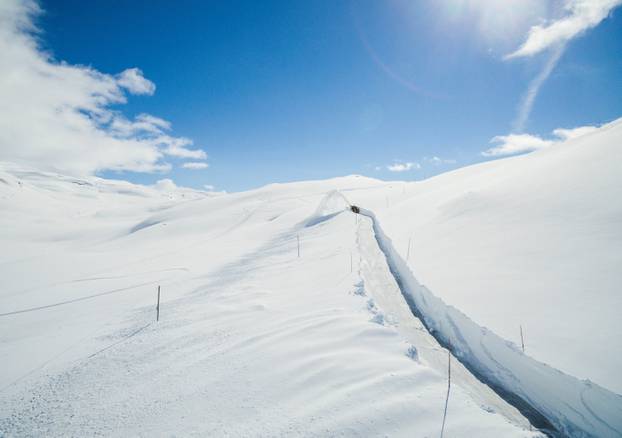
{"x":549,"y":398}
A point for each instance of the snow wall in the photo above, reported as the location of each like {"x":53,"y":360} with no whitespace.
{"x":557,"y":403}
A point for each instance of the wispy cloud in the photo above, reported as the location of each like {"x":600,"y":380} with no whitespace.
{"x":59,"y":116}
{"x":403,"y":167}
{"x":178,"y":147}
{"x":195,"y":165}
{"x":521,"y":143}
{"x":143,"y":123}
{"x":526,"y":104}
{"x":437,"y":161}
{"x":515,"y":144}
{"x":581,"y":15}
{"x":569,"y":134}
{"x":133,"y":81}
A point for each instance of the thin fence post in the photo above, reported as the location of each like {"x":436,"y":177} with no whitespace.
{"x":298,"y":240}
{"x":522,"y":339}
{"x":158,"y":306}
{"x":448,"y":389}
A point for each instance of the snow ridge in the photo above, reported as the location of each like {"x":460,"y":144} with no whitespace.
{"x":555,"y":402}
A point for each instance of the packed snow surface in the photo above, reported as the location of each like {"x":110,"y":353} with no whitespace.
{"x":281,"y":314}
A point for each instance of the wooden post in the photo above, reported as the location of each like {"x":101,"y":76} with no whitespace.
{"x":158,"y":306}
{"x":448,"y":388}
{"x":298,"y":240}
{"x":522,"y":339}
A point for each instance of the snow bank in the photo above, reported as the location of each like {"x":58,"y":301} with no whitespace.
{"x":545,"y":395}
{"x":532,"y":241}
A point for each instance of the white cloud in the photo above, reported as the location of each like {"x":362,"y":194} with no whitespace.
{"x":142,"y":124}
{"x":553,"y":35}
{"x":153,"y":121}
{"x":581,"y":15}
{"x":165,"y":185}
{"x":195,"y":165}
{"x":133,"y":80}
{"x":58,"y":116}
{"x":515,"y":144}
{"x":569,"y":134}
{"x":168,"y":187}
{"x":520,"y":143}
{"x":437,"y":161}
{"x":176,"y":147}
{"x":403,"y":167}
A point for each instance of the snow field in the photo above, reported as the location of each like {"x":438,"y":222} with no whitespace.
{"x":264,"y":348}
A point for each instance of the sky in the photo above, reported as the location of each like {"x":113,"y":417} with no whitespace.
{"x":233,"y":95}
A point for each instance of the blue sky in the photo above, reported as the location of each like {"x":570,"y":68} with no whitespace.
{"x":277,"y":91}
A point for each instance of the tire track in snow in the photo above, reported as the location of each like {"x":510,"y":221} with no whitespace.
{"x":125,"y":338}
{"x":75,"y":300}
{"x":101,"y":277}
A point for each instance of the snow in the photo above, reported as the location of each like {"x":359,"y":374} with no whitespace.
{"x":552,"y":400}
{"x":536,"y":238}
{"x":254,"y":340}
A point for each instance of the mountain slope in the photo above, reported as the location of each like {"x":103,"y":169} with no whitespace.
{"x":532,"y":241}
{"x":255,"y":339}
{"x":252,"y":339}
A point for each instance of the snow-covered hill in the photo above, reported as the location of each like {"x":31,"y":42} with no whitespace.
{"x":534,"y":240}
{"x":260,"y":335}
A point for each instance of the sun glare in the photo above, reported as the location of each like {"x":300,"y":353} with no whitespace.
{"x":499,"y":24}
